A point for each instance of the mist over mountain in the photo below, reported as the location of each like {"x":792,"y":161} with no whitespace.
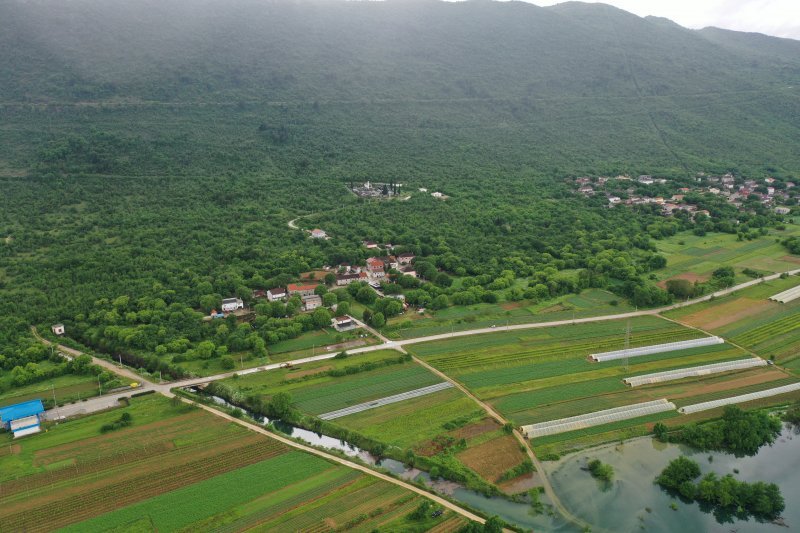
{"x":213,"y":49}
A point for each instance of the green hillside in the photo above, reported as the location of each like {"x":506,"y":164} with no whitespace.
{"x":157,"y":149}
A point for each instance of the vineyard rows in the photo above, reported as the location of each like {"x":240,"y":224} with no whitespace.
{"x":760,"y":334}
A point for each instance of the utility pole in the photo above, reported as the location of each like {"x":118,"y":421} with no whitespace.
{"x":99,"y":388}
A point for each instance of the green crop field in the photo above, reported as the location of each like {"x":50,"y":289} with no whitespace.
{"x":177,"y":467}
{"x":701,"y":255}
{"x":412,"y":423}
{"x":749,"y":319}
{"x":67,"y":388}
{"x":315,"y":391}
{"x":350,"y":390}
{"x":544,"y":374}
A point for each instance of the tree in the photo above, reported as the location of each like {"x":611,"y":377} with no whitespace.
{"x":366,"y":295}
{"x":321,"y":317}
{"x":227,"y":362}
{"x":660,"y":431}
{"x":678,"y":471}
{"x":330,"y":278}
{"x":280,"y":406}
{"x":319,"y":290}
{"x":343,"y":308}
{"x":378,"y":320}
{"x":329,"y":299}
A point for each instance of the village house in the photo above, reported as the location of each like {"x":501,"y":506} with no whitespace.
{"x":645,"y":180}
{"x":583,"y":180}
{"x":311,"y":302}
{"x":782,"y":210}
{"x":370,"y":245}
{"x":405,"y":258}
{"x":274,"y":295}
{"x":614,"y":200}
{"x":318,"y":234}
{"x":301,"y":289}
{"x":347,"y":279}
{"x":790,"y":184}
{"x":389,"y":262}
{"x":232,"y":304}
{"x":343,"y":323}
{"x":587,"y":190}
{"x":58,"y":329}
{"x":409,"y":270}
{"x":259,"y":293}
{"x":375,"y":267}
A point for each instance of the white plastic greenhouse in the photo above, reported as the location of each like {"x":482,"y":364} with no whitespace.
{"x":787,"y":295}
{"x":705,"y":406}
{"x":386,"y":401}
{"x":680,"y":373}
{"x":597,"y":418}
{"x":656,"y":348}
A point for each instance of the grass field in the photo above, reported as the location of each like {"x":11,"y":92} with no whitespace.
{"x":591,"y":302}
{"x":177,"y":468}
{"x":701,"y":255}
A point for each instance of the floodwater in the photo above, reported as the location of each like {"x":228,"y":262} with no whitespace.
{"x":632,"y":502}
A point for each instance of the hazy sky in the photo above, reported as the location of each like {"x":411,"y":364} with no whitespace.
{"x":773,"y":17}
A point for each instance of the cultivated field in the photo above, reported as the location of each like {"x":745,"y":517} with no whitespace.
{"x":749,"y":319}
{"x":177,"y":467}
{"x":427,"y":425}
{"x":542,"y":375}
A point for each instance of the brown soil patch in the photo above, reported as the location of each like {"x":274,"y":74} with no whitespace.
{"x":478,"y":428}
{"x":688,"y":276}
{"x":311,"y":372}
{"x":491,"y":459}
{"x":316,"y":274}
{"x":791,"y":258}
{"x":727,"y":313}
{"x":753,"y":379}
{"x":554,"y":308}
{"x":508,"y":306}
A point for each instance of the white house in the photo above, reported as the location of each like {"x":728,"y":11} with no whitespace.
{"x":231,"y":304}
{"x":343,"y":323}
{"x":312,"y":302}
{"x":778,"y":210}
{"x":273,"y":295}
{"x":58,"y":329}
{"x":318,"y":234}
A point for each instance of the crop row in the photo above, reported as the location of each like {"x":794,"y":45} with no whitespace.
{"x":325,"y":488}
{"x":71,"y":507}
{"x":345,"y":392}
{"x":562,"y":351}
{"x":760,"y":334}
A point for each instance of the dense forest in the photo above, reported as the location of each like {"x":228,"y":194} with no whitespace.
{"x":153,"y":153}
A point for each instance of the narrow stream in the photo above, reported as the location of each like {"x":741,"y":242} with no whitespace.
{"x":520,"y":514}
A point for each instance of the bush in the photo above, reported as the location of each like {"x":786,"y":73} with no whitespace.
{"x":601,"y":471}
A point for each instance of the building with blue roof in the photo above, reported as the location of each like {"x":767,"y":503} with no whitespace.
{"x":22,"y":418}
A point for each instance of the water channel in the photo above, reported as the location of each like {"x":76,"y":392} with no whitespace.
{"x":632,"y":502}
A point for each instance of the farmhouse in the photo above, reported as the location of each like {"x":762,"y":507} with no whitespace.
{"x":312,"y":302}
{"x":375,"y":267}
{"x":302,"y":290}
{"x":318,"y":234}
{"x":22,"y":418}
{"x":409,"y":270}
{"x":273,"y":295}
{"x":405,"y":258}
{"x":645,"y":180}
{"x":389,"y":262}
{"x":232,"y":304}
{"x":58,"y":329}
{"x":370,"y":245}
{"x":343,"y":323}
{"x":778,"y":210}
{"x":347,"y":279}
{"x":259,"y":293}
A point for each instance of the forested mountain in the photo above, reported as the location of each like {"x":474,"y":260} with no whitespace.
{"x":156,"y":149}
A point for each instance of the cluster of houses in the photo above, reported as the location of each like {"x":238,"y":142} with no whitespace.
{"x":734,"y":189}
